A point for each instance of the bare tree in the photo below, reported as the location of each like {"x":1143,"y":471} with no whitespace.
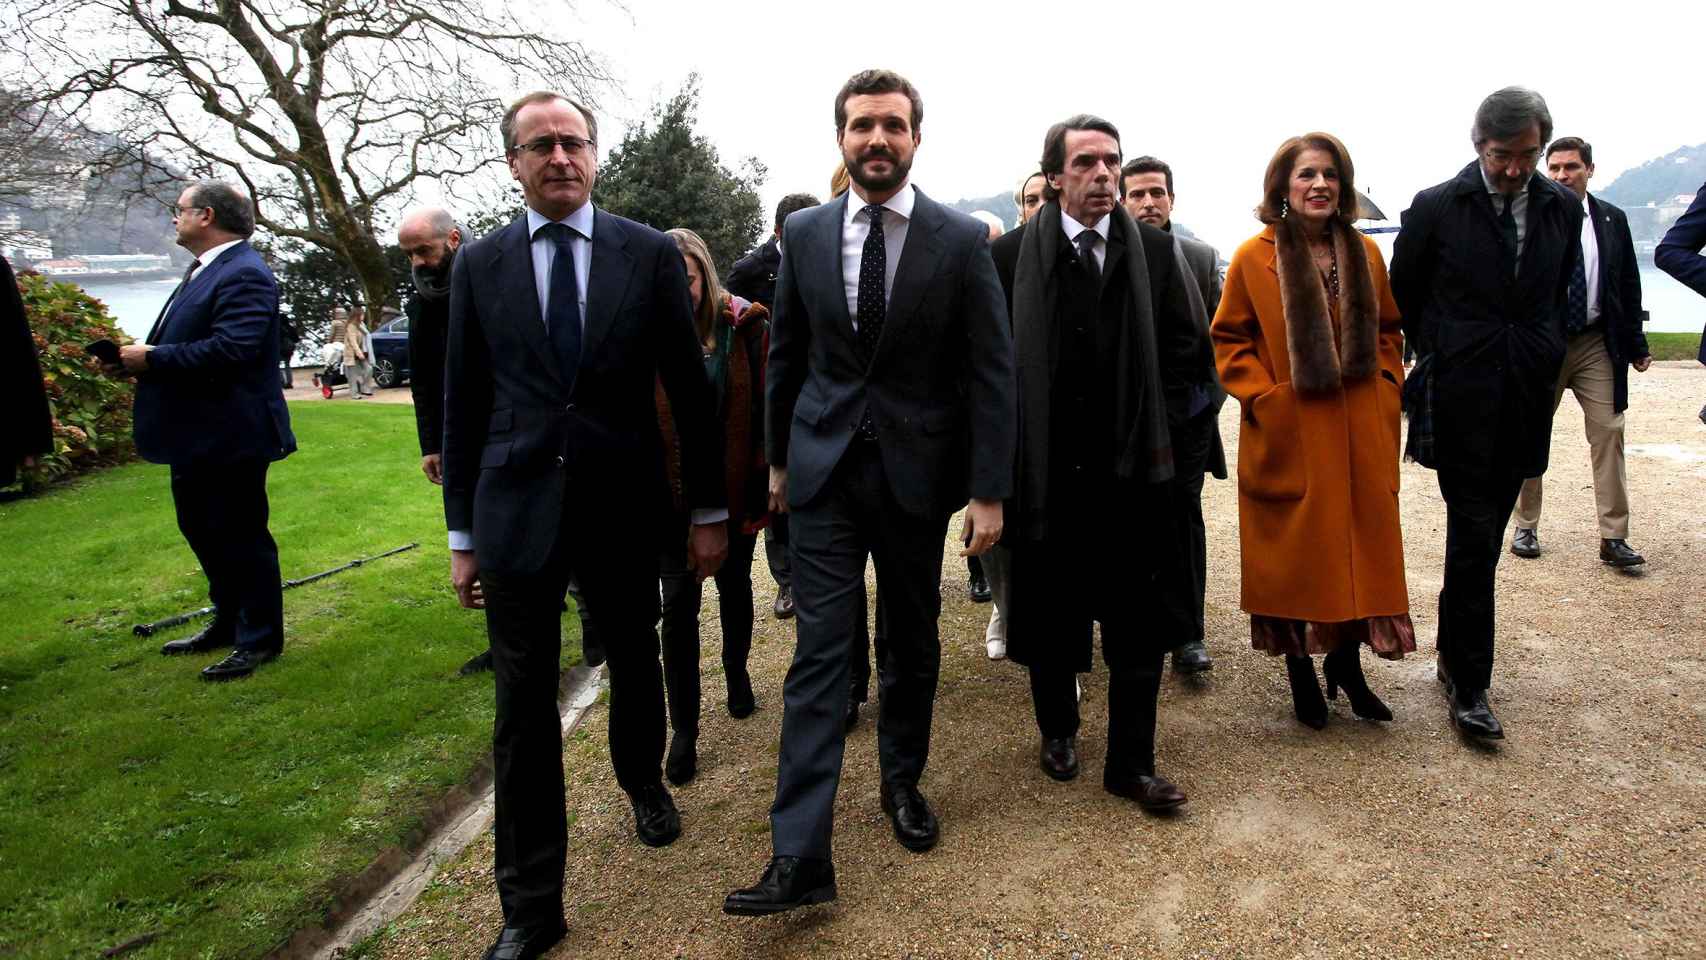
{"x":330,"y":112}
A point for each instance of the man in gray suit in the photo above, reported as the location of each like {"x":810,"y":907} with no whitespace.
{"x":1146,"y":189}
{"x":889,"y":402}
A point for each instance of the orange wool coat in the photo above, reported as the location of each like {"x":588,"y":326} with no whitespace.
{"x":1317,"y":474}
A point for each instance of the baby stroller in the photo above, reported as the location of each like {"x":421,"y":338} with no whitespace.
{"x":331,"y":375}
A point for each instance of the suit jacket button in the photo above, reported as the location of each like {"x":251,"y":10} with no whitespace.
{"x":560,"y":461}
{"x":570,"y":408}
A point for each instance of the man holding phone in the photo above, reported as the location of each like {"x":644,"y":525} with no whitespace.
{"x":209,"y":405}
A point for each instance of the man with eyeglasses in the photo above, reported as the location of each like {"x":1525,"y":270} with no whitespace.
{"x":561,"y":324}
{"x":1481,"y":270}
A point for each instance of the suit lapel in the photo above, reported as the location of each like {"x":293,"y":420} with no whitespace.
{"x":1597,"y":214}
{"x":182,"y":292}
{"x":512,"y":264}
{"x":607,"y":282}
{"x":828,"y":237}
{"x":918,"y":260}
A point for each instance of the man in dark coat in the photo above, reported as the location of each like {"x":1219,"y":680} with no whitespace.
{"x":209,"y":405}
{"x":1679,"y":254}
{"x":754,"y":278}
{"x":27,"y":428}
{"x":1604,"y":338}
{"x":1108,"y":357}
{"x":1481,"y":272}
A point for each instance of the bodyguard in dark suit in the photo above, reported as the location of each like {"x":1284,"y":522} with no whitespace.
{"x":208,"y":403}
{"x":1107,"y":355}
{"x":561,"y":324}
{"x":889,"y":402}
{"x":1481,"y":272}
{"x":1603,"y":337}
{"x":1679,"y":254}
{"x":27,"y":428}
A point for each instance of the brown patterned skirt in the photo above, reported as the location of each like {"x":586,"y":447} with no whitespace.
{"x":1391,"y":636}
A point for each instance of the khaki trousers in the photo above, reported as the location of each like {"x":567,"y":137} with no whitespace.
{"x":1588,"y":373}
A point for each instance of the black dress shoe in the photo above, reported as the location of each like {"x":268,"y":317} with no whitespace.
{"x":978,"y":589}
{"x":788,"y":882}
{"x":783,"y":608}
{"x":1469,"y":711}
{"x":914,"y":822}
{"x":1525,"y":543}
{"x":683,"y":762}
{"x":1152,"y":793}
{"x":852,"y":718}
{"x":656,"y":821}
{"x":741,"y":702}
{"x":1060,"y":758}
{"x":238,"y":663}
{"x":525,"y":943}
{"x":212,"y":637}
{"x":1306,"y":699}
{"x":1192,"y":658}
{"x":1619,"y":554}
{"x":479,"y":663}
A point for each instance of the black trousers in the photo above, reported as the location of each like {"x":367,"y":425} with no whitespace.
{"x":1478,"y":504}
{"x":682,"y":593}
{"x":776,"y":550}
{"x":866,"y":643}
{"x":222,"y":512}
{"x":1183,"y":572}
{"x":617,"y":575}
{"x":1133,"y":689}
{"x":852,"y":518}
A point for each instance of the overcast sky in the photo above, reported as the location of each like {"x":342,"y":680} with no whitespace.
{"x":1211,"y":87}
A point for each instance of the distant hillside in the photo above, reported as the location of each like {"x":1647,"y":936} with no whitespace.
{"x":1001,"y":205}
{"x":1645,"y":190}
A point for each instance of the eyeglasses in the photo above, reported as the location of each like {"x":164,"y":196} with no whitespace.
{"x":184,"y":210}
{"x":1503,"y":157}
{"x":547,"y":146}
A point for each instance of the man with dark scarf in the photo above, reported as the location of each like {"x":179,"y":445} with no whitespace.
{"x":1106,"y":353}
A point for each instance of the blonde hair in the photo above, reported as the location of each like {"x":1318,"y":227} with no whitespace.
{"x":693,"y":246}
{"x":839,"y":181}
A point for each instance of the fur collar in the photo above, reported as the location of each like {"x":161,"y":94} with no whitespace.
{"x":1322,"y":357}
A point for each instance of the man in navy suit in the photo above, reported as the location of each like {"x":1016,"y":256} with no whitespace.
{"x":209,"y":405}
{"x":889,"y":402}
{"x":1679,"y":254}
{"x":561,"y":325}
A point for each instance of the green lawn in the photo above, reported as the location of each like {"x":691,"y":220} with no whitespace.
{"x":135,"y":799}
{"x":1674,"y":346}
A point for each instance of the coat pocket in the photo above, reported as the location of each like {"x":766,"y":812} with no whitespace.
{"x":1271,"y":460}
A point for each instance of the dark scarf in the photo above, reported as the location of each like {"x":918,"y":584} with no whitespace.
{"x":1324,"y":355}
{"x":435,"y":284}
{"x":1142,"y":447}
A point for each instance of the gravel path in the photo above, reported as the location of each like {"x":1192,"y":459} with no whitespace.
{"x":1584,"y":835}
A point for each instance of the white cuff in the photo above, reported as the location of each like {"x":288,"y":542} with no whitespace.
{"x":461,"y":539}
{"x":704,"y":516}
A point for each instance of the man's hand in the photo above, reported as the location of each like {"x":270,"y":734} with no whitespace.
{"x":778,"y":489}
{"x":433,"y":466}
{"x":707,"y":547}
{"x":465,"y":578}
{"x":134,"y":357}
{"x":1642,"y":364}
{"x":982,"y":527}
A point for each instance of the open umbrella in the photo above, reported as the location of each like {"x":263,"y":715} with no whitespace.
{"x":1366,"y":210}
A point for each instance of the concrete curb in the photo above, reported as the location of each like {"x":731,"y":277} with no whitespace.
{"x":396,"y":878}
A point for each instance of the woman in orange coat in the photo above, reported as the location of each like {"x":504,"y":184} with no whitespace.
{"x":1307,"y":339}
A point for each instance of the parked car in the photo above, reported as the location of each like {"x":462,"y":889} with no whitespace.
{"x":391,"y":352}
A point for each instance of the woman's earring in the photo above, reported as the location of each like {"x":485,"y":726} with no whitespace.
{"x":1285,"y":208}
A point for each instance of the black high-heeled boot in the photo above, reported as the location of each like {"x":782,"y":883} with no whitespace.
{"x":1306,"y":697}
{"x":1343,"y":668}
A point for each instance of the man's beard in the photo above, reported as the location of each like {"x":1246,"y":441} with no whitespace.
{"x":433,"y":283}
{"x":856,"y":171}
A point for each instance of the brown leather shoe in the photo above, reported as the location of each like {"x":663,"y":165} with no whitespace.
{"x":1618,"y":553}
{"x":783,"y":608}
{"x":1152,"y":793}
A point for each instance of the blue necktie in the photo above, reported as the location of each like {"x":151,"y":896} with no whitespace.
{"x":1577,"y":319}
{"x":563,"y":302}
{"x":873,"y":272}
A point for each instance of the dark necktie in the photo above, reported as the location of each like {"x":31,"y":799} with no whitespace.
{"x":1507,"y":228}
{"x":1086,"y":241}
{"x":562,"y":302}
{"x":873,"y":271}
{"x":154,"y":331}
{"x":1577,"y":319}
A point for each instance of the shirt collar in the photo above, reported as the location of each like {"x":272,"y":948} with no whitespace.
{"x":580,"y":221}
{"x":900,"y":203}
{"x":1073,"y":228}
{"x":213,"y":253}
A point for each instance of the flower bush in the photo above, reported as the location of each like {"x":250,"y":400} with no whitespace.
{"x":91,"y":411}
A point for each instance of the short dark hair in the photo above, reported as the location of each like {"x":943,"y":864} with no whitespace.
{"x":1277,"y":181}
{"x":1506,"y":113}
{"x":233,"y":211}
{"x":791,"y":203}
{"x":1054,"y":145}
{"x":1572,"y":143}
{"x":507,"y":126}
{"x":1146,"y":164}
{"x":871,"y":83}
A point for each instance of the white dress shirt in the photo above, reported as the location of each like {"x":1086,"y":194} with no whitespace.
{"x":208,"y":256}
{"x":1098,"y":246}
{"x":545,"y":252}
{"x":856,"y":228}
{"x":1590,"y":262}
